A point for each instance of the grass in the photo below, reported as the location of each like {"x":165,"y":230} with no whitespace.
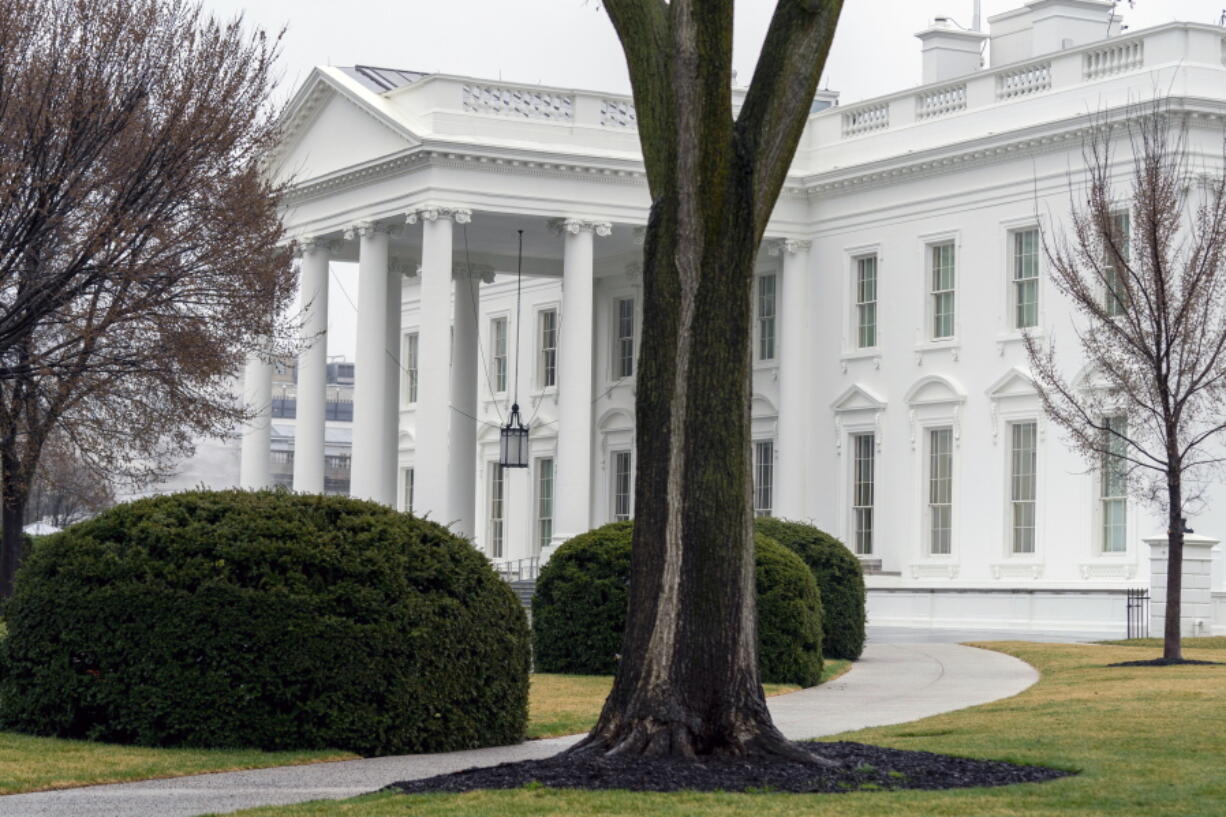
{"x":559,"y":705}
{"x":1217,"y":642}
{"x":569,"y":704}
{"x":1146,"y":740}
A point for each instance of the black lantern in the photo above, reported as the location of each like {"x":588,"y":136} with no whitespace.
{"x":513,"y":452}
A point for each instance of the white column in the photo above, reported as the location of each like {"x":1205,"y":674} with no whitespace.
{"x":370,"y":386}
{"x":432,"y":460}
{"x":573,"y":480}
{"x":462,"y":456}
{"x":391,"y":408}
{"x":789,"y":481}
{"x":312,"y":370}
{"x":254,"y":467}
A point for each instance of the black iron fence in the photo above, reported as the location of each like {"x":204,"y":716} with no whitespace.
{"x":1138,"y":613}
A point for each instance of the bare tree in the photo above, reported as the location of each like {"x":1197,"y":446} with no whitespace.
{"x":65,"y":489}
{"x":139,"y":239}
{"x":1145,"y":271}
{"x":688,"y":680}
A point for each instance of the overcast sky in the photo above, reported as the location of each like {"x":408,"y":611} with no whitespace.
{"x":570,"y":43}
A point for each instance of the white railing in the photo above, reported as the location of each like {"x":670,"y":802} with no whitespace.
{"x":1113,"y":59}
{"x":862,"y":120}
{"x":1028,"y":79}
{"x":940,"y":101}
{"x":618,"y":113}
{"x":524,"y":103}
{"x":516,"y":570}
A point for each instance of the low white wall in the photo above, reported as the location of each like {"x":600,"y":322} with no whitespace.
{"x":1097,"y":612}
{"x":1219,"y":613}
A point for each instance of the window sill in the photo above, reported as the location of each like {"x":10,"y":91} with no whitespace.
{"x":950,"y":345}
{"x":1015,"y":338}
{"x":870,"y":354}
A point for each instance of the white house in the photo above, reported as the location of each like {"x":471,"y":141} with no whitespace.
{"x":892,"y":405}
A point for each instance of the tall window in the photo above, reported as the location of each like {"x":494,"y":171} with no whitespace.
{"x":866,"y":302}
{"x":942,"y":290}
{"x":544,"y":502}
{"x":549,"y":347}
{"x":498,"y":353}
{"x":410,"y":367}
{"x":940,"y":489}
{"x":497,"y":488}
{"x":1022,"y":472}
{"x":863,"y":448}
{"x":1025,"y":279}
{"x":766,"y":317}
{"x":623,"y":478}
{"x":623,"y":342}
{"x":1116,"y":278}
{"x":408,"y":487}
{"x":763,"y":477}
{"x":1113,"y":484}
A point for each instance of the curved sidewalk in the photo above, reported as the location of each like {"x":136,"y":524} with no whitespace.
{"x":889,"y":684}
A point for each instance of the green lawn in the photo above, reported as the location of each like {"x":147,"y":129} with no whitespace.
{"x":560,"y":705}
{"x":1217,"y":642}
{"x":1147,"y":741}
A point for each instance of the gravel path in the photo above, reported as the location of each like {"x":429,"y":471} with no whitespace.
{"x":890,"y":684}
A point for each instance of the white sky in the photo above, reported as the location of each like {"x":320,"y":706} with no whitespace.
{"x":570,"y":43}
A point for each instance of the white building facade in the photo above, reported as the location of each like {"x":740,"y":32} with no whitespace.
{"x":892,"y":402}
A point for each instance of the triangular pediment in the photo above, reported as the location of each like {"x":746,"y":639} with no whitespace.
{"x":858,"y":398}
{"x":935,"y":388}
{"x":1016,"y":382}
{"x":330,"y":129}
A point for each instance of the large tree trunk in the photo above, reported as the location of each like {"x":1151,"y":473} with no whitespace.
{"x":13,"y":495}
{"x":1172,"y":649}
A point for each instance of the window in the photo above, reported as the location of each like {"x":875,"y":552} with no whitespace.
{"x":866,"y":302}
{"x":408,"y":488}
{"x":766,"y":317}
{"x":863,"y":447}
{"x":497,"y":487}
{"x":1113,"y":484}
{"x":410,"y":367}
{"x":498,"y":353}
{"x":1025,"y":279}
{"x":1116,"y":277}
{"x":1022,"y":473}
{"x":623,"y":478}
{"x":544,"y":502}
{"x":548,"y":372}
{"x":940,"y":490}
{"x":942,"y":290}
{"x":763,"y":477}
{"x":623,"y":340}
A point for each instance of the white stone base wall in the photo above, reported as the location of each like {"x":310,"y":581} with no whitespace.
{"x":1074,"y":612}
{"x":1219,"y":613}
{"x":1196,"y":608}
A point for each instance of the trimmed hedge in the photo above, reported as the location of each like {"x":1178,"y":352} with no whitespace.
{"x":579,"y":610}
{"x":264,"y":619}
{"x":839,"y":577}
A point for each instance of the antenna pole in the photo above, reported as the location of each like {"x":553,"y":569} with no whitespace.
{"x":977,"y":25}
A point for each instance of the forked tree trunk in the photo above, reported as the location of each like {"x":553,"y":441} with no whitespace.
{"x":688,"y":680}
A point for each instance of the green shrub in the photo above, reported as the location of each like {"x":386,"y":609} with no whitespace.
{"x":579,"y":610}
{"x":264,"y":619}
{"x":839,"y":577}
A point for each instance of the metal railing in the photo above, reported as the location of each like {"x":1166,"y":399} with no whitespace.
{"x":518,"y":570}
{"x":1138,"y":613}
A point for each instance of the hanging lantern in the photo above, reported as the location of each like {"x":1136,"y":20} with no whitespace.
{"x":513,"y":452}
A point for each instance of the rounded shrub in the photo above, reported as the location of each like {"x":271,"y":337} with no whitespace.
{"x":579,"y":610}
{"x":839,"y":577}
{"x":264,"y":619}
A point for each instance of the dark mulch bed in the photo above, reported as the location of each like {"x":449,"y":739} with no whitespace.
{"x":862,"y":767}
{"x":1165,"y":662}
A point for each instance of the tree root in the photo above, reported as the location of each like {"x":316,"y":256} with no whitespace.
{"x":652,"y":738}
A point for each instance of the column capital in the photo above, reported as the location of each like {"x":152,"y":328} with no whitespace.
{"x":460,"y":215}
{"x":365,"y":229}
{"x":574,"y":226}
{"x":790,"y":246}
{"x":483,"y":272}
{"x":306,"y":244}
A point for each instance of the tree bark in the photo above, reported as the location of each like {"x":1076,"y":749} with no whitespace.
{"x":1172,"y":648}
{"x":13,"y":496}
{"x":688,"y":682}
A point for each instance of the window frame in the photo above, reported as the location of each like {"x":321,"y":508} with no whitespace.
{"x":859,"y":304}
{"x":547,"y":357}
{"x":410,"y":356}
{"x":856,"y":508}
{"x":408,"y":485}
{"x":1113,"y":305}
{"x":616,"y":512}
{"x":762,"y":320}
{"x":932,"y":293}
{"x":1016,"y":283}
{"x":495,"y":531}
{"x":618,"y":342}
{"x":1013,"y":502}
{"x":544,"y":522}
{"x":931,"y":485}
{"x":1105,"y":500}
{"x":764,"y":489}
{"x":500,"y":377}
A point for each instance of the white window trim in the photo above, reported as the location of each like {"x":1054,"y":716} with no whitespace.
{"x":926,"y":487}
{"x":613,"y":454}
{"x":610,"y":368}
{"x":774,"y":471}
{"x":1007,"y":420}
{"x":538,"y":350}
{"x":537,"y":544}
{"x":1097,"y":539}
{"x":929,"y":334}
{"x":848,"y":487}
{"x":490,"y":467}
{"x":850,"y":333}
{"x":492,"y":385}
{"x":1011,"y":303}
{"x":405,"y":403}
{"x":776,"y":272}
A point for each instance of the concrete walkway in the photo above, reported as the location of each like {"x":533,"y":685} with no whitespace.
{"x":890,"y":684}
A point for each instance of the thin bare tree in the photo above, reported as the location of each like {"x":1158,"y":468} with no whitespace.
{"x":1144,"y":267}
{"x":687,"y":683}
{"x":140,"y":251}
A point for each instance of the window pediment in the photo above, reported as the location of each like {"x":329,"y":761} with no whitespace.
{"x":1016,"y":382}
{"x":935,"y":389}
{"x":857,"y":398}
